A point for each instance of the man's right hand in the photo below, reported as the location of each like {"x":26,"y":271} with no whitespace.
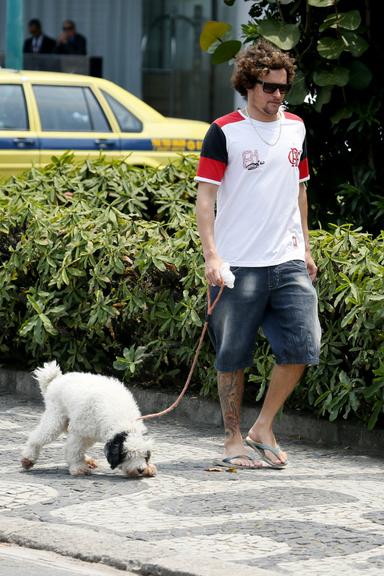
{"x":212,"y":271}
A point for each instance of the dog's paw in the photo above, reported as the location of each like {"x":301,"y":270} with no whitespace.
{"x":150,"y":471}
{"x":81,"y":470}
{"x":91,"y":462}
{"x":26,"y":463}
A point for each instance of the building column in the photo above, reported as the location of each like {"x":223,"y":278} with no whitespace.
{"x":14,"y":34}
{"x":242,"y":17}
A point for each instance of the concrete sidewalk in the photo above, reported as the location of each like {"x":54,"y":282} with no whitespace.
{"x":321,"y":516}
{"x":18,"y":561}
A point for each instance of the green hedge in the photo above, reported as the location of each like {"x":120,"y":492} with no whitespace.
{"x":101,"y":268}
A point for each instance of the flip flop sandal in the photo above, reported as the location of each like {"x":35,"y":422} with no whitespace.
{"x":261,"y":449}
{"x":228,"y":462}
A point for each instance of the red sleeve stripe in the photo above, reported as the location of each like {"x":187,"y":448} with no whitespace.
{"x":291,"y":116}
{"x":229,"y":119}
{"x":211,"y":169}
{"x":303,"y":169}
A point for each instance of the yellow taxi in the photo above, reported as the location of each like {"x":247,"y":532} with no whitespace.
{"x":43,"y":114}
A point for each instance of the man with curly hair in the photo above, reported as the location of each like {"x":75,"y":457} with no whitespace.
{"x":252,"y":213}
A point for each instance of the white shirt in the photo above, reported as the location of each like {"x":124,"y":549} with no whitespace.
{"x":36,"y":43}
{"x":258,"y":221}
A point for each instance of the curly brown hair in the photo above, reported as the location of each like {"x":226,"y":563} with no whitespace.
{"x":256,"y":61}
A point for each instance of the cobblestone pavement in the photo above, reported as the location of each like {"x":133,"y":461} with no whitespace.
{"x":322,"y":515}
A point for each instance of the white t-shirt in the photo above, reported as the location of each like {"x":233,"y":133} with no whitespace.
{"x":258,"y":219}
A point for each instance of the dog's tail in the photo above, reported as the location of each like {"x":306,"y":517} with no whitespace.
{"x":45,"y":375}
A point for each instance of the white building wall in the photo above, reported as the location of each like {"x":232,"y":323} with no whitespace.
{"x":113,"y":29}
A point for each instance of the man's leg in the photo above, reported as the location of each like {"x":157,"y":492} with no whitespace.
{"x":231,"y":389}
{"x":284,"y":379}
{"x":292,"y":327}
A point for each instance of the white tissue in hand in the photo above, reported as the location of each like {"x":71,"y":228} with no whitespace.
{"x":227,"y":276}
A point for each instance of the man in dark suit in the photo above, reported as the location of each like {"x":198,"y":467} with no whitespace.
{"x":69,"y":41}
{"x":38,"y":43}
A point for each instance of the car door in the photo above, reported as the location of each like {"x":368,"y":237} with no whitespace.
{"x":71,"y":118}
{"x":136,"y":145}
{"x":19,"y":146}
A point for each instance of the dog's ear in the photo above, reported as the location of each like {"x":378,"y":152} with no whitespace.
{"x":114,"y":451}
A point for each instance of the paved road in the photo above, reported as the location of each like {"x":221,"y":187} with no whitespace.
{"x":321,"y":516}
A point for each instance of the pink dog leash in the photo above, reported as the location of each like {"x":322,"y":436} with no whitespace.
{"x":210,"y":309}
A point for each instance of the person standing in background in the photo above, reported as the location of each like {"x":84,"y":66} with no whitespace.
{"x":69,"y":41}
{"x":38,"y":43}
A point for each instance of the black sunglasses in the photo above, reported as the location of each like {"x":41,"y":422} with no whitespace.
{"x":271,"y":87}
{"x":66,"y":28}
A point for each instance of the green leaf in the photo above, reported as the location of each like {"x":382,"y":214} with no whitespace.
{"x":120,"y":363}
{"x":34,"y":304}
{"x":334,"y":414}
{"x":212,"y":32}
{"x":353,"y":400}
{"x":330,"y":48}
{"x":323,"y":97}
{"x":377,"y":408}
{"x":373,"y":389}
{"x":112,"y":217}
{"x":360,"y":75}
{"x":48,"y":325}
{"x":348,"y":318}
{"x":350,"y":20}
{"x":341,"y":114}
{"x":322,"y":3}
{"x":335,"y":76}
{"x":299,"y":90}
{"x":76,"y":272}
{"x":354,"y":43}
{"x":195,"y":318}
{"x":64,"y":276}
{"x":285,"y":36}
{"x":226,"y":51}
{"x":344,"y":378}
{"x":27,"y":326}
{"x":57,"y":310}
{"x":159,"y":264}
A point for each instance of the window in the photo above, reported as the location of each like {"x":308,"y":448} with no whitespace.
{"x":126,"y":120}
{"x":69,"y":109}
{"x":13,"y":111}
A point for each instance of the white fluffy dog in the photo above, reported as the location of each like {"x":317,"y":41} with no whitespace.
{"x":90,"y":408}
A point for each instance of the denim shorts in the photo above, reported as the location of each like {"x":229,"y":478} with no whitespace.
{"x":282,"y":300}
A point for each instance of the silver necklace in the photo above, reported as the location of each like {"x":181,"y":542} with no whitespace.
{"x":246,"y":113}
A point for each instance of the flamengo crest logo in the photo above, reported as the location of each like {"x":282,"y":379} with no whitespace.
{"x":294,"y":157}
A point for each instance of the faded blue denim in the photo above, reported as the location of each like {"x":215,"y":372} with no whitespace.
{"x":282,"y":300}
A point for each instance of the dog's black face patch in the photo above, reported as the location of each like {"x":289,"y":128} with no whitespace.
{"x":114,"y":451}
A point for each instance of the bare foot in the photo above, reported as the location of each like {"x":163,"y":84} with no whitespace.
{"x":239,"y":457}
{"x":241,"y":461}
{"x":268,"y":437}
